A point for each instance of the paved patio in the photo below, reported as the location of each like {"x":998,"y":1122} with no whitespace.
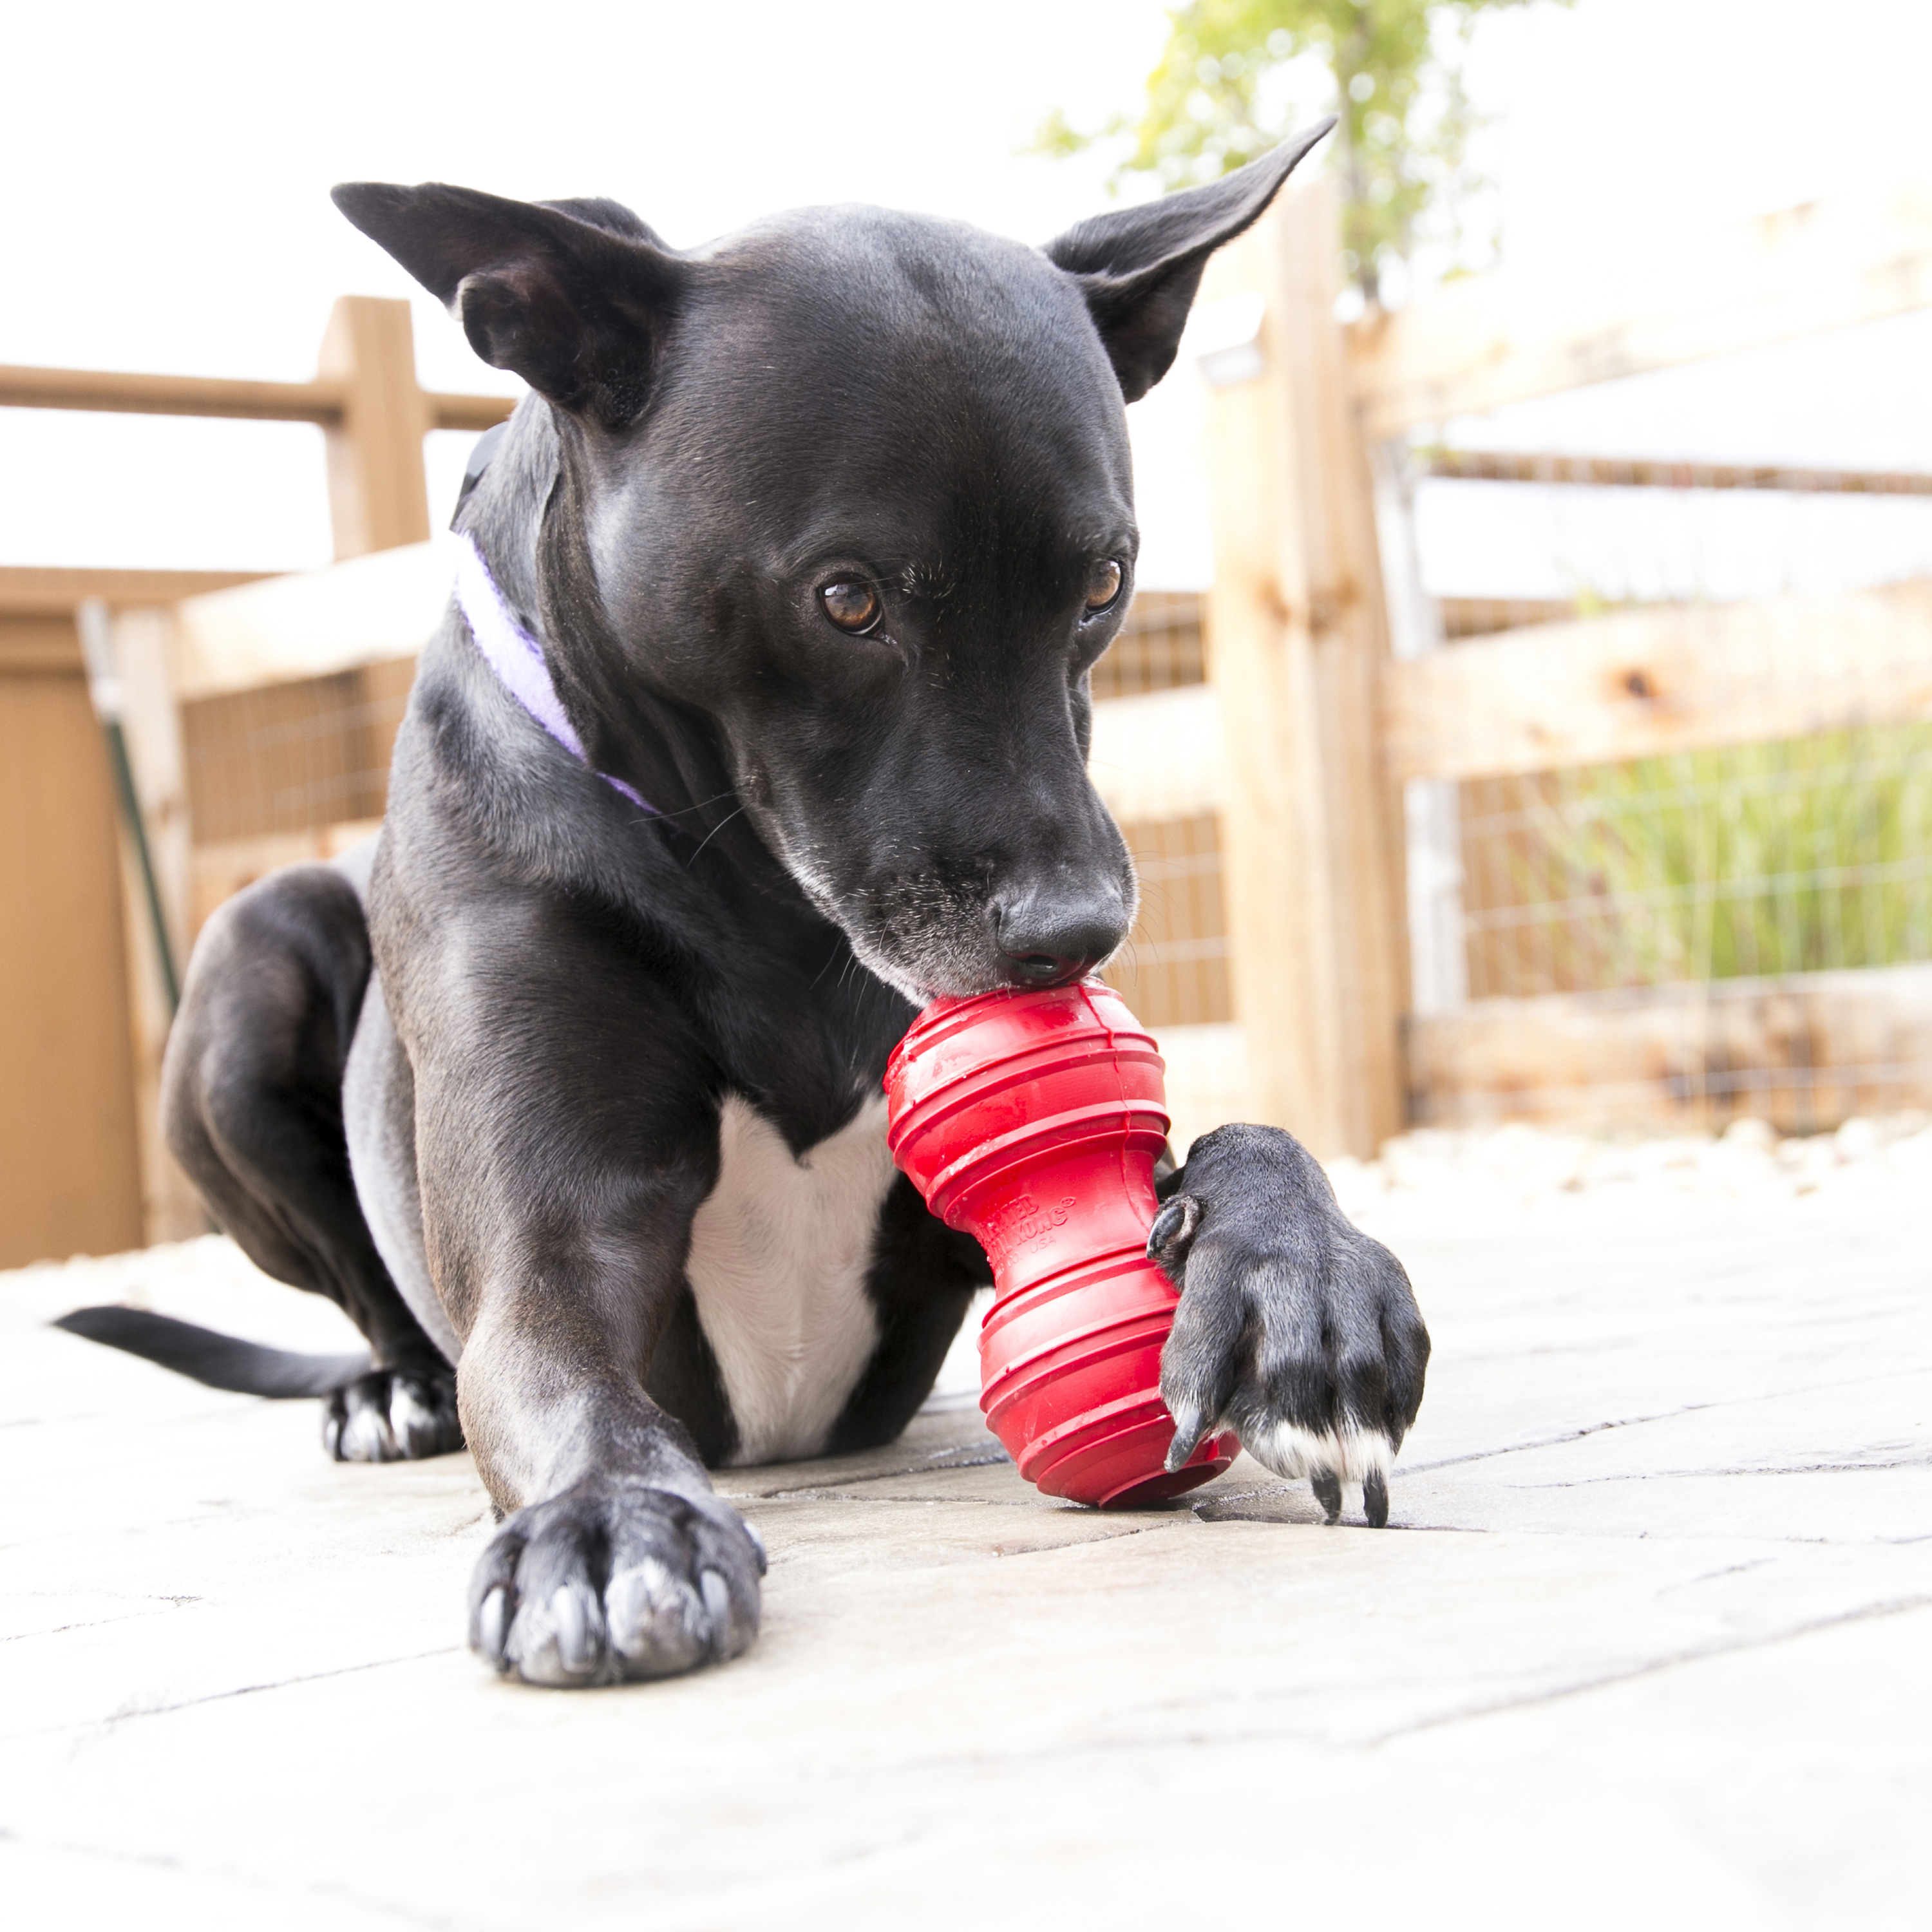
{"x":1648,"y":1640}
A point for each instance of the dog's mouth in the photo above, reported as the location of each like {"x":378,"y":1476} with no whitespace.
{"x":924,"y":935}
{"x":934,"y":934}
{"x":1050,"y":903}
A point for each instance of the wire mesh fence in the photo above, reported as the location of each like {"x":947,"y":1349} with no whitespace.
{"x":292,"y":757}
{"x":1158,"y":647}
{"x":1173,"y":970}
{"x":1740,"y":928}
{"x":1698,"y":912}
{"x":1809,"y":855}
{"x":288,"y":772}
{"x":291,"y":770}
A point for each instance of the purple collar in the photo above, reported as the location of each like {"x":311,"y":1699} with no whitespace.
{"x":517,"y":659}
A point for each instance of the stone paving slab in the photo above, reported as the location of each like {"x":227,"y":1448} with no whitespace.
{"x":1649,"y":1640}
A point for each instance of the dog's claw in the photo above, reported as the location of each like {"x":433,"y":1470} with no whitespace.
{"x":717,"y":1596}
{"x":1189,"y":1426}
{"x":1375,"y":1499}
{"x":1173,"y":1230}
{"x":1328,"y":1487}
{"x":493,"y":1625}
{"x":574,"y":1649}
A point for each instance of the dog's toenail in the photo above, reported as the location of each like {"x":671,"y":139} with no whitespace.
{"x":717,"y":1603}
{"x":493,"y":1624}
{"x":573,"y":1632}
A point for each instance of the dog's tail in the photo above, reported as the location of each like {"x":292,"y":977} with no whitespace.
{"x":221,"y":1361}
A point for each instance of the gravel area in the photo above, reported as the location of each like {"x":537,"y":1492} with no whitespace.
{"x":1445,"y":1181}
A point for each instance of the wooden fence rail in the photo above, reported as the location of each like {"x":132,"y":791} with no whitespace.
{"x":1631,"y":472}
{"x":1495,"y":339}
{"x":1677,"y":679}
{"x":120,"y":393}
{"x":364,"y":396}
{"x":1804,"y":1051}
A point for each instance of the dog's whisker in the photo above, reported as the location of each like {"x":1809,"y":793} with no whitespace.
{"x":711,"y":834}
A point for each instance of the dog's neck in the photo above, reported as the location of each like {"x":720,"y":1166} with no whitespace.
{"x":520,"y":510}
{"x":511,"y":474}
{"x":518,"y":659}
{"x":515,"y":510}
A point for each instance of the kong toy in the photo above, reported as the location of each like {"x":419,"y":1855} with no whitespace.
{"x":1032,"y":1120}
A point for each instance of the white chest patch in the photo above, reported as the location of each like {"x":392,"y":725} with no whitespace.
{"x":778,"y":1256}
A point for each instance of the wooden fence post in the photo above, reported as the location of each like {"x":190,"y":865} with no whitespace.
{"x":130,"y":672}
{"x":1431,"y":809}
{"x":1297,"y":636}
{"x":69,"y":1174}
{"x":377,"y":497}
{"x":171,"y":1209}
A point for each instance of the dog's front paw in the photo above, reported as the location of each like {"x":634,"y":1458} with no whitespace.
{"x":1295,"y":1329}
{"x":393,"y":1415}
{"x":613,"y":1581}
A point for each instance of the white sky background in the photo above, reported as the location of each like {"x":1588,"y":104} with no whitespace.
{"x":164,"y":174}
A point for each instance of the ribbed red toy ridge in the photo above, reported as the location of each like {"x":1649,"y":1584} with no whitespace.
{"x":1033,"y":1121}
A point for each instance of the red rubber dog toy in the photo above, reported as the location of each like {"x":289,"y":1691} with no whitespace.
{"x":1032,"y":1120}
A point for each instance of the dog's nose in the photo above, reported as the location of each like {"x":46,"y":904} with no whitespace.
{"x":1044,"y":945}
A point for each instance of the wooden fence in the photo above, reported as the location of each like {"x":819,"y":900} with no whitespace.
{"x":82,"y":1013}
{"x":1349,"y":730}
{"x":1286,"y":766}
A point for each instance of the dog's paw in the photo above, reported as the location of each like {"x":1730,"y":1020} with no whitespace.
{"x":393,"y":1415}
{"x":614,"y":1581}
{"x":1295,"y":1329}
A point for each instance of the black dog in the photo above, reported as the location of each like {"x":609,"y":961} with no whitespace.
{"x":821,"y":529}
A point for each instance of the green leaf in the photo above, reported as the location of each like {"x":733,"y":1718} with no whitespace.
{"x":1238,"y":76}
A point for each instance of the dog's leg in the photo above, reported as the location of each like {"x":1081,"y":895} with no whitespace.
{"x":567,"y":1131}
{"x":923,"y":1278}
{"x":251,"y":1101}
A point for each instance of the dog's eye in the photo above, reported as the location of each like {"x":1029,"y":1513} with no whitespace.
{"x":1103,"y":584}
{"x":852,"y":607}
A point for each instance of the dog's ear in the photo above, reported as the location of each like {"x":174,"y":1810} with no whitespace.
{"x":1139,"y":267}
{"x":575,"y":297}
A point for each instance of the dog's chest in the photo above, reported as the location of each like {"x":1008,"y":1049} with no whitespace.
{"x":779,"y":1253}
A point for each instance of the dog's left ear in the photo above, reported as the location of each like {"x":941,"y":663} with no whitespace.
{"x":1139,"y":267}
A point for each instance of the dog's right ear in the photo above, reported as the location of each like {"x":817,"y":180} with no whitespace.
{"x":576,"y":307}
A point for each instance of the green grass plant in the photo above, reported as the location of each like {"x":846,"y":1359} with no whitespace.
{"x":1799,"y":857}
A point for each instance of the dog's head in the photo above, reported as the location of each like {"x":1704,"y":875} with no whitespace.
{"x":850,"y":492}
